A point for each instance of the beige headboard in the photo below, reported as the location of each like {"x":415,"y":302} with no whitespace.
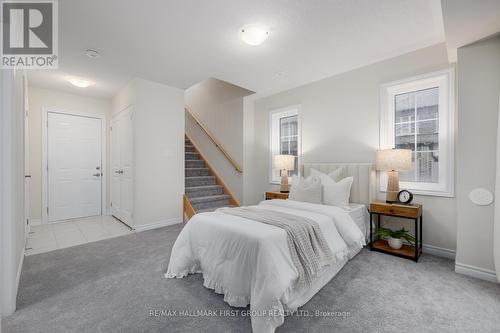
{"x":363,"y":188}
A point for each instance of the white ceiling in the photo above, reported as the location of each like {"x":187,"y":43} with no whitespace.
{"x":467,"y":21}
{"x":182,"y":42}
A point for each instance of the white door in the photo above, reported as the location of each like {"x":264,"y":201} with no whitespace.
{"x":122,"y":167}
{"x":115,"y":168}
{"x":74,"y":166}
{"x":27,"y":175}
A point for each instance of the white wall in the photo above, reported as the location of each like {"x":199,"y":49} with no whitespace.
{"x":479,"y":87}
{"x":340,"y":123}
{"x":13,"y":225}
{"x":219,"y":107}
{"x":159,"y":150}
{"x":40,"y":98}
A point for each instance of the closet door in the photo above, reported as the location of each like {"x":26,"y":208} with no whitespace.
{"x":115,"y":168}
{"x":126,"y":168}
{"x":122,"y":159}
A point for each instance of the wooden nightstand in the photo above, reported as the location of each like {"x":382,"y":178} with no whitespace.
{"x":413,"y":212}
{"x":276,"y":195}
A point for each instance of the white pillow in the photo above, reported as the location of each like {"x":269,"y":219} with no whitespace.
{"x":306,"y":190}
{"x":328,"y":179}
{"x":338,"y":194}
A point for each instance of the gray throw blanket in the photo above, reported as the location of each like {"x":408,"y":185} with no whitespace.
{"x":308,"y":247}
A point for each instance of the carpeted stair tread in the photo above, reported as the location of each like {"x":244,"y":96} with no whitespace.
{"x":193,"y":172}
{"x":199,"y":181}
{"x":203,"y":191}
{"x":194,"y":164}
{"x":220,"y":200}
{"x":207,"y":210}
{"x":203,"y":187}
{"x":209,"y":198}
{"x":191,"y":155}
{"x":200,"y":177}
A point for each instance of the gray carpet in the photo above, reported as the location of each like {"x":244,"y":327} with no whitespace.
{"x":111,"y":286}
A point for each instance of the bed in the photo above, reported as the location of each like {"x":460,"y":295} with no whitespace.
{"x":363,"y":190}
{"x":250,"y":263}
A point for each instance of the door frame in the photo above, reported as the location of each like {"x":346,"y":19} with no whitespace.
{"x":45,"y":171}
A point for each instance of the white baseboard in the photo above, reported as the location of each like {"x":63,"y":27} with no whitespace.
{"x":160,"y":224}
{"x":35,"y":222}
{"x":476,"y":272}
{"x":439,"y":251}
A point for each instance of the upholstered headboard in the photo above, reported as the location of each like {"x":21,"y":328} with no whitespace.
{"x":364,"y":186}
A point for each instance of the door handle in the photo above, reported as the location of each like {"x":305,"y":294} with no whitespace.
{"x":27,"y":176}
{"x":97,"y":175}
{"x":119,"y":172}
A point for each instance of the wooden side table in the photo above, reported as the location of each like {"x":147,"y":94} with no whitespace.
{"x":413,"y":212}
{"x":276,"y":195}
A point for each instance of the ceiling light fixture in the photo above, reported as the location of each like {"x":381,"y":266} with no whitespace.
{"x":254,"y":34}
{"x":80,"y":83}
{"x":92,"y":54}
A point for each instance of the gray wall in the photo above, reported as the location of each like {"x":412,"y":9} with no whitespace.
{"x":340,"y":123}
{"x":479,"y":87}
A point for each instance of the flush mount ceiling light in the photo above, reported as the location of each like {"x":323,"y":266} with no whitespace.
{"x":80,"y":83}
{"x":254,"y":34}
{"x":92,"y":54}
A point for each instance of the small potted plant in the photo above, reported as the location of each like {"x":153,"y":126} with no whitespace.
{"x":395,"y":237}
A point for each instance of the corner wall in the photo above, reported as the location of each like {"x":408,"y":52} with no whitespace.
{"x":158,"y":112}
{"x":479,"y":89}
{"x":159,"y":151}
{"x":13,"y":223}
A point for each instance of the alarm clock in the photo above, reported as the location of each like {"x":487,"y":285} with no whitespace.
{"x":405,"y":197}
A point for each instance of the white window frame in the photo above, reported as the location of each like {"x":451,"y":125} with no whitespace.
{"x":445,"y":81}
{"x":274,"y":138}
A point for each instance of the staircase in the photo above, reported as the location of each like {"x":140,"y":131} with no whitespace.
{"x":205,"y":191}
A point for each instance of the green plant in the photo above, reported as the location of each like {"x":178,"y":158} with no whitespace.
{"x":402,"y":233}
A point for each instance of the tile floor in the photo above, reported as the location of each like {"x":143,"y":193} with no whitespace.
{"x":50,"y":237}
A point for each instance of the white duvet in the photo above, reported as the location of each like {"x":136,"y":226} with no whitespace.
{"x":249,"y":262}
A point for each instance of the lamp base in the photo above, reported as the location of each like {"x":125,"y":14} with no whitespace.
{"x":284,"y":182}
{"x":391,"y":195}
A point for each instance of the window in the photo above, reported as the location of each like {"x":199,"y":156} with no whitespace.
{"x":284,"y":138}
{"x":417,"y":114}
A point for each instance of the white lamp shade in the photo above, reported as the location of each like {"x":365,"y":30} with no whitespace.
{"x":393,"y":159}
{"x":281,"y":162}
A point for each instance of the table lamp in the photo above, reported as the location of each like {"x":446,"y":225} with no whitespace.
{"x":393,"y":161}
{"x":284,"y":163}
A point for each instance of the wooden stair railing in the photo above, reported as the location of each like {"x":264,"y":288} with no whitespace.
{"x":188,"y":208}
{"x":216,"y":143}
